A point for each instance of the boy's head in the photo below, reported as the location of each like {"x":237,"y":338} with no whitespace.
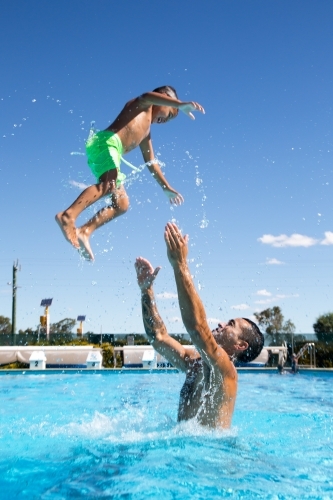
{"x":168,"y":90}
{"x":163,"y":114}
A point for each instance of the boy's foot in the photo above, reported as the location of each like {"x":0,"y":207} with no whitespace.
{"x":68,"y":229}
{"x":84,"y":249}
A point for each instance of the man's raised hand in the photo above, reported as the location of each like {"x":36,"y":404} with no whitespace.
{"x":176,"y":244}
{"x":145,"y":273}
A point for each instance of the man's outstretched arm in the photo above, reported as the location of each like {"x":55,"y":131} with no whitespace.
{"x":191,"y":307}
{"x":155,"y":329}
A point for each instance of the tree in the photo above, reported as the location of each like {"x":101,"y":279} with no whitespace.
{"x":323,"y":327}
{"x":64,"y":326}
{"x":28,"y":331}
{"x":5,"y":325}
{"x":276,"y":328}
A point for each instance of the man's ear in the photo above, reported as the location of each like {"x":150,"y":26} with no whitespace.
{"x":241,"y":345}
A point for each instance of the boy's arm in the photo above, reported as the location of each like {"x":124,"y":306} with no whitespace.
{"x":155,"y":329}
{"x":146,"y":147}
{"x":191,"y":307}
{"x":157,"y":99}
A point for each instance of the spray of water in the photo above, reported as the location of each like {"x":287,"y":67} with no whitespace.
{"x":203,"y":223}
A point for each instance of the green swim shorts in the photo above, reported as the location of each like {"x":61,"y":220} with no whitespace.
{"x":104,"y":150}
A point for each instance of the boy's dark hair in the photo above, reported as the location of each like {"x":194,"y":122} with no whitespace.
{"x":169,"y":91}
{"x":253,"y":336}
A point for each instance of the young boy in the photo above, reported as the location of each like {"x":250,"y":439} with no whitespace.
{"x":104,"y":150}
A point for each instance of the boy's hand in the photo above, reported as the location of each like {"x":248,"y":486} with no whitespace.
{"x":145,"y":273}
{"x":177,"y":244}
{"x":174,"y":197}
{"x":187,"y":107}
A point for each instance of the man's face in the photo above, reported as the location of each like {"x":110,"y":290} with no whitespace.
{"x":227,"y":335}
{"x":163,"y":114}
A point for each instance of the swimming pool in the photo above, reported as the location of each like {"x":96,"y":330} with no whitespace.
{"x":112,"y":435}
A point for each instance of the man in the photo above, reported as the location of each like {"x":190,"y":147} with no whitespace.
{"x":210,"y":388}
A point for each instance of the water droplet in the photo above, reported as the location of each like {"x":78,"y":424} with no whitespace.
{"x":204,"y":223}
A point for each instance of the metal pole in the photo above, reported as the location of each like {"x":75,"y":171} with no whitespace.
{"x":314,"y":355}
{"x":311,"y":355}
{"x":14,"y":300}
{"x":46,"y":313}
{"x":292,"y":343}
{"x":15,"y":269}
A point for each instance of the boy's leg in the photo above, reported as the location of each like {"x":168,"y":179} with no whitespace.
{"x":119,"y":205}
{"x":90,"y":195}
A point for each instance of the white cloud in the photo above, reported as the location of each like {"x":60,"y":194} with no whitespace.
{"x":166,"y":295}
{"x":240,"y":307}
{"x":276,"y":298}
{"x":265,"y":293}
{"x":281,"y":296}
{"x":274,"y":261}
{"x":265,"y":301}
{"x":328,"y":238}
{"x":295,"y":240}
{"x":80,"y":185}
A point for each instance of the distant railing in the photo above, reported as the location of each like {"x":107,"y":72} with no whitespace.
{"x":294,"y":341}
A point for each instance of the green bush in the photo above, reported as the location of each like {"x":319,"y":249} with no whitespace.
{"x":107,"y":353}
{"x":17,"y":365}
{"x":324,"y":354}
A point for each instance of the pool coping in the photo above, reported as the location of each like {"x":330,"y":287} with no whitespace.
{"x":122,"y":371}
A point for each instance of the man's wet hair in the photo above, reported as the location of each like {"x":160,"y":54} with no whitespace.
{"x":253,"y":336}
{"x":169,"y":91}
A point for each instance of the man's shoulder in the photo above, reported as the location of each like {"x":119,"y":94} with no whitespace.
{"x":223,"y":365}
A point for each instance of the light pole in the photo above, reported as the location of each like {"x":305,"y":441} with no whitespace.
{"x":16,"y":267}
{"x":45,"y":320}
{"x":79,"y":330}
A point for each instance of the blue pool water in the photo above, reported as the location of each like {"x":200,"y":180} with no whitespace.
{"x":115,"y":436}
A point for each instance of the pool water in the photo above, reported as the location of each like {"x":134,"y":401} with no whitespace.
{"x":115,"y":435}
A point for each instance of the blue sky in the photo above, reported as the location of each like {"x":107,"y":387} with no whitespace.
{"x":255,"y":171}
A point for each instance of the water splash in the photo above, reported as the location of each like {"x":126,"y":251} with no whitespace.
{"x":135,"y":174}
{"x":137,"y":429}
{"x":204,"y":222}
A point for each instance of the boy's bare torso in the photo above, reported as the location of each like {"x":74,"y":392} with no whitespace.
{"x":206,"y":396}
{"x":132,"y":125}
